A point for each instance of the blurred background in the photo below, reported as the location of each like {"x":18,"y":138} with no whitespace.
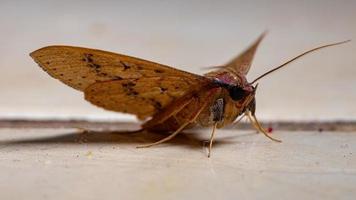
{"x":189,"y":35}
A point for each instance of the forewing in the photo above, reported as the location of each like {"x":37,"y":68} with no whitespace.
{"x":142,"y":97}
{"x":242,"y":63}
{"x":80,"y":67}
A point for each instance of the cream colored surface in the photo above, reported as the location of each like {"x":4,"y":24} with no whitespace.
{"x":64,"y":164}
{"x":189,"y":35}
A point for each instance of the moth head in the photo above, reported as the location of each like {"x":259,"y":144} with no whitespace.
{"x":237,"y":92}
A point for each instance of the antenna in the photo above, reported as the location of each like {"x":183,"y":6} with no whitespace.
{"x":295,"y":58}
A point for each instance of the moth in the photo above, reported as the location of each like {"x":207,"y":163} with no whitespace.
{"x":167,"y":99}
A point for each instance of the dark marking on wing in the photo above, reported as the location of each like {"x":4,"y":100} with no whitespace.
{"x":86,"y":67}
{"x":117,"y":78}
{"x":125,"y":65}
{"x":129,"y":88}
{"x":158,"y":71}
{"x":163,"y":89}
{"x":88,"y":57}
{"x":156,"y":104}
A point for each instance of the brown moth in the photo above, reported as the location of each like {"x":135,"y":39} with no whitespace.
{"x":168,"y":99}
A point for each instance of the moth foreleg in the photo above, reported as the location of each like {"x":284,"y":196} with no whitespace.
{"x":250,"y":111}
{"x":258,"y":126}
{"x":252,"y":121}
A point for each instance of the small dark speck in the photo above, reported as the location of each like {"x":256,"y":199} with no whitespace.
{"x":118,"y":78}
{"x":126,"y":66}
{"x":54,"y":69}
{"x":131,"y":84}
{"x":176,"y":88}
{"x":47,"y":63}
{"x":88,"y":58}
{"x":163,"y":89}
{"x":79,"y":84}
{"x":139,"y":67}
{"x":84,"y":77}
{"x":158,"y":71}
{"x":61,"y":74}
{"x":70,"y":79}
{"x":156,"y":103}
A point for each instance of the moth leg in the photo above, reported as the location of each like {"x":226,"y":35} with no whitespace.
{"x":167,"y":113}
{"x":211,"y":139}
{"x":193,"y":118}
{"x":166,"y":138}
{"x":251,"y":110}
{"x":252,"y":122}
{"x":217,"y":114}
{"x":259,"y":128}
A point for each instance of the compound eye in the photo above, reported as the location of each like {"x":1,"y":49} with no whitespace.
{"x":237,"y":93}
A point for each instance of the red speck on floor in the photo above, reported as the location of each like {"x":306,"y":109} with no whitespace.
{"x":270,"y":130}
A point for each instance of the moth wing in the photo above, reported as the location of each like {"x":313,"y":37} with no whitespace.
{"x":80,"y":67}
{"x":242,"y":63}
{"x":142,"y":97}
